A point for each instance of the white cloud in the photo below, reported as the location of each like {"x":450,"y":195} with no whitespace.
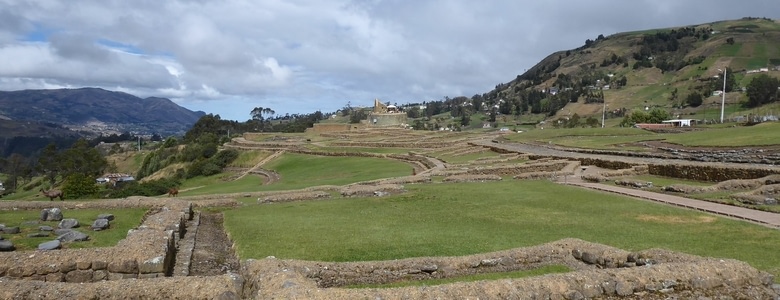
{"x":298,"y":56}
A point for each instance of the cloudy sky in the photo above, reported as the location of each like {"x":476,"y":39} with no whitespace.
{"x":298,"y":56}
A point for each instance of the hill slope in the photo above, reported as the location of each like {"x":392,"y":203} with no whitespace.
{"x":98,"y":110}
{"x":649,"y":69}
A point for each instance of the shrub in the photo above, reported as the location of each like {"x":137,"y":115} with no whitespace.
{"x":79,"y":186}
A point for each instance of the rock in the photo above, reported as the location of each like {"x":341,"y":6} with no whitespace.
{"x":45,"y":228}
{"x":577,"y":253}
{"x":68,"y":223}
{"x":50,"y":245}
{"x":590,"y":258}
{"x":100,"y":224}
{"x":51,"y":214}
{"x":38,"y":234}
{"x":429,"y":268}
{"x":59,"y":232}
{"x":6,"y":245}
{"x":73,"y":236}
{"x":109,"y":217}
{"x":11,"y":230}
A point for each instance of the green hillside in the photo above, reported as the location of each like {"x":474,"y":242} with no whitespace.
{"x":641,"y":70}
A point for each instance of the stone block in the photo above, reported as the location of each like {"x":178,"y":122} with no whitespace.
{"x":99,"y":265}
{"x":120,"y":276}
{"x":48,"y":269}
{"x":54,"y":277}
{"x":67,"y":266}
{"x":83,"y":265}
{"x":125,"y":266}
{"x":79,"y":276}
{"x":99,"y":275}
{"x":154,"y":265}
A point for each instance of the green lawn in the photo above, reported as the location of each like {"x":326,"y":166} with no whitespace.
{"x":469,"y":218}
{"x":758,"y":135}
{"x":300,"y":171}
{"x":28,"y":221}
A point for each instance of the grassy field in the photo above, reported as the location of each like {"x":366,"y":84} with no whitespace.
{"x":299,"y":171}
{"x":28,"y":221}
{"x":468,"y":218}
{"x":614,"y":138}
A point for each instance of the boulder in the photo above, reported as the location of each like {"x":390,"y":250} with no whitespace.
{"x":51,"y":214}
{"x":109,"y":217}
{"x":11,"y":230}
{"x":68,"y":224}
{"x":6,"y":245}
{"x":73,"y":236}
{"x":50,"y":245}
{"x":45,"y":228}
{"x":100,"y":224}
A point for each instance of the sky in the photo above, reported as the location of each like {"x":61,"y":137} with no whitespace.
{"x":226,"y":57}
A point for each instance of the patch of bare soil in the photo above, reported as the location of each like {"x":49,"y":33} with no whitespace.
{"x":675,"y":219}
{"x":213,"y":254}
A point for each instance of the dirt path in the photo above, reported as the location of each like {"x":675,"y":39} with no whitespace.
{"x":212,"y":254}
{"x":260,"y":164}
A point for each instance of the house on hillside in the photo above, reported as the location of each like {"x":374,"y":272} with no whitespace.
{"x":680,"y":122}
{"x":114,"y":179}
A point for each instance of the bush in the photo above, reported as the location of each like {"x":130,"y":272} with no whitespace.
{"x":79,"y":186}
{"x":148,"y":189}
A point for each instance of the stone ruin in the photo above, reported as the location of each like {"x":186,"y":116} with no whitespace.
{"x":152,"y":263}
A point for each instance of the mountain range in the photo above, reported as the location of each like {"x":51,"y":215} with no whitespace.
{"x":94,"y":110}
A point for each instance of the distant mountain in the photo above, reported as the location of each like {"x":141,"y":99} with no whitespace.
{"x":98,"y":111}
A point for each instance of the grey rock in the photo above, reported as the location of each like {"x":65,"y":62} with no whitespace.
{"x":109,"y":217}
{"x":590,"y":258}
{"x":59,"y":232}
{"x":51,"y":214}
{"x":1,"y":237}
{"x":6,"y":245}
{"x":38,"y":234}
{"x":50,"y":245}
{"x":577,"y":253}
{"x":68,"y":223}
{"x":99,"y":224}
{"x":29,"y":223}
{"x":73,"y":236}
{"x":429,"y":268}
{"x":45,"y":228}
{"x":11,"y":230}
{"x":2,"y":226}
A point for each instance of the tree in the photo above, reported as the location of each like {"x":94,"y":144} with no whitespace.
{"x":83,"y":160}
{"x":694,"y":99}
{"x":49,"y":163}
{"x":762,"y":90}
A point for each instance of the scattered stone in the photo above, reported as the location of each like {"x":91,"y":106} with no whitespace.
{"x":577,"y":253}
{"x":29,"y":223}
{"x":50,"y":245}
{"x":73,"y":236}
{"x":51,"y":214}
{"x":38,"y":234}
{"x":109,"y":217}
{"x":100,"y":224}
{"x":45,"y":228}
{"x":68,"y":224}
{"x":59,"y":232}
{"x":12,"y":230}
{"x":6,"y":245}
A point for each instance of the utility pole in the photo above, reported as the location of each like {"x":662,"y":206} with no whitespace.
{"x":723,"y":101}
{"x":603,"y":114}
{"x":139,"y":143}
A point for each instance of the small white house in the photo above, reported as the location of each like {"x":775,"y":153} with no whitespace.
{"x":680,"y":122}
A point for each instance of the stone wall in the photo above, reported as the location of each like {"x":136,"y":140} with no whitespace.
{"x":598,"y":272}
{"x":711,"y":173}
{"x":380,"y":119}
{"x":148,"y":251}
